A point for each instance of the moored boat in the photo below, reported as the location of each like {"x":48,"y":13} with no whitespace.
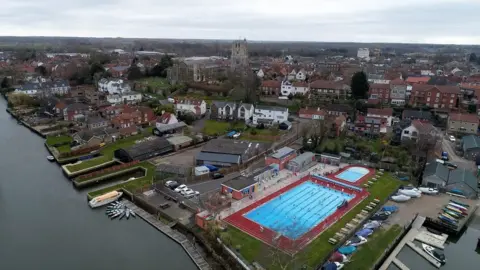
{"x":460,"y":203}
{"x":50,"y":158}
{"x":429,"y":191}
{"x":462,"y":208}
{"x":440,"y":257}
{"x":356,"y":241}
{"x":116,"y":215}
{"x":128,"y":214}
{"x":414,"y":193}
{"x":456,"y":210}
{"x":453,"y":214}
{"x":105,"y":199}
{"x":400,"y":198}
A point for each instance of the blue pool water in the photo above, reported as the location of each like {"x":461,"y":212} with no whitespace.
{"x":298,"y":210}
{"x":352,"y":174}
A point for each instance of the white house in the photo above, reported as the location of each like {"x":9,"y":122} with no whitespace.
{"x":245,"y":112}
{"x":59,"y":87}
{"x":30,"y":89}
{"x":288,"y":88}
{"x":197,"y":107}
{"x":166,"y":119}
{"x":269,"y":115}
{"x":301,"y":75}
{"x":386,"y":113}
{"x":417,"y":129}
{"x":260,"y":73}
{"x":125,"y":98}
{"x":292,"y":75}
{"x":363,"y":53}
{"x":113,"y":86}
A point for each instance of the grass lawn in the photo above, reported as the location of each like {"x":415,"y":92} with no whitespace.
{"x":118,"y":172}
{"x":156,"y":83}
{"x":369,"y":253}
{"x":88,"y":163}
{"x":64,"y":148}
{"x":318,"y":249}
{"x":51,"y":140}
{"x":217,"y":127}
{"x":130,"y":185}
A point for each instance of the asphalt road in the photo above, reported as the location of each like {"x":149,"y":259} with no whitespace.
{"x":449,"y":146}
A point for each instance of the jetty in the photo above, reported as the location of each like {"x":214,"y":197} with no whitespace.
{"x":419,"y":233}
{"x":176,"y":236}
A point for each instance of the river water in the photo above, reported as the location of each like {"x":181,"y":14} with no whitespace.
{"x":46,"y":224}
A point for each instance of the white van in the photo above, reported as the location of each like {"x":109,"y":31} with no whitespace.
{"x":201,"y":170}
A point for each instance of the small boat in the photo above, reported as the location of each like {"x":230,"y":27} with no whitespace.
{"x":105,"y":199}
{"x":364,"y":232}
{"x":414,"y":193}
{"x":456,"y":210}
{"x":133,"y":214}
{"x":128,"y":213}
{"x":50,"y":158}
{"x":447,"y":220}
{"x":450,"y":217}
{"x":380,"y":216}
{"x":440,"y":257}
{"x":372,"y":225}
{"x":390,"y":208}
{"x":409,"y":187}
{"x":429,"y":191}
{"x":346,"y":250}
{"x":338,"y":257}
{"x":453,"y":214}
{"x":116,"y":215}
{"x":400,"y":198}
{"x":339,"y":265}
{"x":460,"y":203}
{"x":123,"y":214}
{"x":462,"y":208}
{"x":356,"y":241}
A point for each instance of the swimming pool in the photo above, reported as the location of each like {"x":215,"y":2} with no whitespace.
{"x":353,"y":174}
{"x":298,"y":210}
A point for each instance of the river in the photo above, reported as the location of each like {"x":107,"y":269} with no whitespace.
{"x":46,"y":224}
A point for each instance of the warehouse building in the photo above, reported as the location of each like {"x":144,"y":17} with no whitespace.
{"x":301,"y":162}
{"x":144,"y":150}
{"x":227,"y":153}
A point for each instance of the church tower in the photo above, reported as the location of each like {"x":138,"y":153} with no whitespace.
{"x":239,"y":58}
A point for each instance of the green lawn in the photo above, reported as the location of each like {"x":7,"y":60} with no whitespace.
{"x":52,"y":140}
{"x":130,"y":185}
{"x":318,"y":249}
{"x":118,"y":172}
{"x":64,"y":148}
{"x":88,"y":163}
{"x":156,"y":83}
{"x":217,"y":127}
{"x":369,"y":253}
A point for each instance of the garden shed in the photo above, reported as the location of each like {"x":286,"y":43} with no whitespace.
{"x":144,"y":150}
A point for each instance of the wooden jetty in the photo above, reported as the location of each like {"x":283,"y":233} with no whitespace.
{"x":176,"y":236}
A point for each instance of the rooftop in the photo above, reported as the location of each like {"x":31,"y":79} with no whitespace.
{"x":282,"y":152}
{"x":239,"y":183}
{"x":469,"y":118}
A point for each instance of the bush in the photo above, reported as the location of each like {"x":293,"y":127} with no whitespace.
{"x":253,"y":132}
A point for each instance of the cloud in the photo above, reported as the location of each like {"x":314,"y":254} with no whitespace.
{"x":431,"y":21}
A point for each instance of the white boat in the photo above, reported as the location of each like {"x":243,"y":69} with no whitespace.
{"x":105,"y":199}
{"x":429,"y":191}
{"x":400,"y":198}
{"x":410,"y":193}
{"x":361,"y":240}
{"x":51,"y":158}
{"x":116,"y":215}
{"x":461,"y":207}
{"x":128,"y":213}
{"x":440,"y":257}
{"x":339,"y":265}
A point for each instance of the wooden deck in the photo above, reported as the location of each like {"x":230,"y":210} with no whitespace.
{"x":176,"y":236}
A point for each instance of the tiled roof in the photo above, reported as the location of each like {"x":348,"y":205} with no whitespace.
{"x":418,"y":79}
{"x":469,"y":118}
{"x":384,"y":111}
{"x":323,"y":84}
{"x":271,"y":84}
{"x":422,"y":127}
{"x":189,"y":101}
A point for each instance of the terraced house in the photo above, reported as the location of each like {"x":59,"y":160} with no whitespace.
{"x":231,"y":111}
{"x":435,"y":96}
{"x":322,"y":90}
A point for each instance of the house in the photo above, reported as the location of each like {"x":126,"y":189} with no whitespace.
{"x":378,"y":79}
{"x":281,"y":157}
{"x":226,"y":153}
{"x":240,"y":187}
{"x":294,"y":88}
{"x":398,"y":92}
{"x":301,"y":75}
{"x":363,"y":53}
{"x":386,"y":113}
{"x":94,"y":122}
{"x":417,"y":115}
{"x":435,"y":96}
{"x":370,"y":125}
{"x":339,"y":124}
{"x":271,"y":87}
{"x":129,"y":97}
{"x":57,"y":87}
{"x":462,"y":123}
{"x":94,"y":97}
{"x":312,"y":113}
{"x":260,"y":73}
{"x":379,"y":93}
{"x":339,"y":109}
{"x":301,"y":162}
{"x":93,"y":137}
{"x":326,"y":90}
{"x":166,"y":119}
{"x":221,"y":110}
{"x":140,"y":116}
{"x":419,"y":130}
{"x":196,"y":107}
{"x":30,"y":89}
{"x":460,"y":181}
{"x":471,"y":147}
{"x":292,"y":75}
{"x":417,"y":80}
{"x":75,"y":112}
{"x":269,"y":115}
{"x":113,"y":86}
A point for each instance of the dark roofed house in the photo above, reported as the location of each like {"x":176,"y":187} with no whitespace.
{"x":144,"y":150}
{"x":471,"y":147}
{"x":97,"y":122}
{"x":458,"y":181}
{"x":463,"y":123}
{"x":226,"y":153}
{"x":417,"y":115}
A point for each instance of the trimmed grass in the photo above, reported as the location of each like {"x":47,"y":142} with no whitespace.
{"x":217,"y":127}
{"x":369,"y":253}
{"x":85,"y":164}
{"x":119,"y":172}
{"x":130,"y":185}
{"x":255,"y":250}
{"x":51,"y":140}
{"x":64,"y":148}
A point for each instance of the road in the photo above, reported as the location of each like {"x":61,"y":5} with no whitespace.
{"x":449,"y":146}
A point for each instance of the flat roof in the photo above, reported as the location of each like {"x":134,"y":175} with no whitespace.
{"x":282,"y":152}
{"x":239,"y":183}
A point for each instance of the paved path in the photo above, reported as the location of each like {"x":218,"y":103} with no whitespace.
{"x":176,"y":236}
{"x":448,"y":146}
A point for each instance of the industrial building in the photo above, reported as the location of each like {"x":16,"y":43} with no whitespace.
{"x":301,"y":162}
{"x":144,"y":150}
{"x":226,"y":153}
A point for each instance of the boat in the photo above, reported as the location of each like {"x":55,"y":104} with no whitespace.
{"x":414,"y":193}
{"x":105,"y":199}
{"x":133,"y":214}
{"x":128,"y":213}
{"x":447,"y":220}
{"x":346,"y":250}
{"x":462,"y":208}
{"x":123,"y":214}
{"x":450,"y":217}
{"x":429,"y":191}
{"x":460,"y":203}
{"x":453,"y":214}
{"x":456,"y":210}
{"x":338,"y":257}
{"x":116,"y":215}
{"x":440,"y":257}
{"x":372,"y":225}
{"x":50,"y":158}
{"x":390,"y":208}
{"x":410,"y":187}
{"x":356,"y":241}
{"x":364,"y":232}
{"x":380,"y":216}
{"x":400,"y":198}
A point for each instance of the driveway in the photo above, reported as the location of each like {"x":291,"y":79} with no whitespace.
{"x":449,"y":147}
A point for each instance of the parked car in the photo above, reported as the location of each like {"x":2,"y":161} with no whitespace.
{"x":452,"y":138}
{"x":168,"y":183}
{"x":181,"y":188}
{"x":217,"y":175}
{"x":451,"y":165}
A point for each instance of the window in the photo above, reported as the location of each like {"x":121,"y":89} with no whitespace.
{"x":451,"y":100}
{"x":438,"y":94}
{"x":428,"y":99}
{"x":429,"y":94}
{"x":406,"y":132}
{"x":453,"y":95}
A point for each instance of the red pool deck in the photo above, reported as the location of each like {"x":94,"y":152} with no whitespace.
{"x":356,"y":183}
{"x":284,"y":243}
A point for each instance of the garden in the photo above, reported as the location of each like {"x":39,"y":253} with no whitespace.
{"x":61,"y":143}
{"x":216,"y":128}
{"x":317,"y":251}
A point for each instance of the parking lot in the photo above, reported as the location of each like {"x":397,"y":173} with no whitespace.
{"x":182,"y":158}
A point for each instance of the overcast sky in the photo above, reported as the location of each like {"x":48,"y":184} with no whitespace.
{"x":417,"y":21}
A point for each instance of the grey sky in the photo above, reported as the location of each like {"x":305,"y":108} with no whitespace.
{"x":419,"y":21}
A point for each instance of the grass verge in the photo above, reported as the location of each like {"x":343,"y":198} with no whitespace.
{"x":369,"y":253}
{"x":312,"y":255}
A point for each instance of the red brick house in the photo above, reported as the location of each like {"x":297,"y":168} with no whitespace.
{"x":435,"y":96}
{"x":73,"y":111}
{"x":271,"y":87}
{"x":312,"y":113}
{"x":417,"y":80}
{"x":140,"y":116}
{"x":379,"y":93}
